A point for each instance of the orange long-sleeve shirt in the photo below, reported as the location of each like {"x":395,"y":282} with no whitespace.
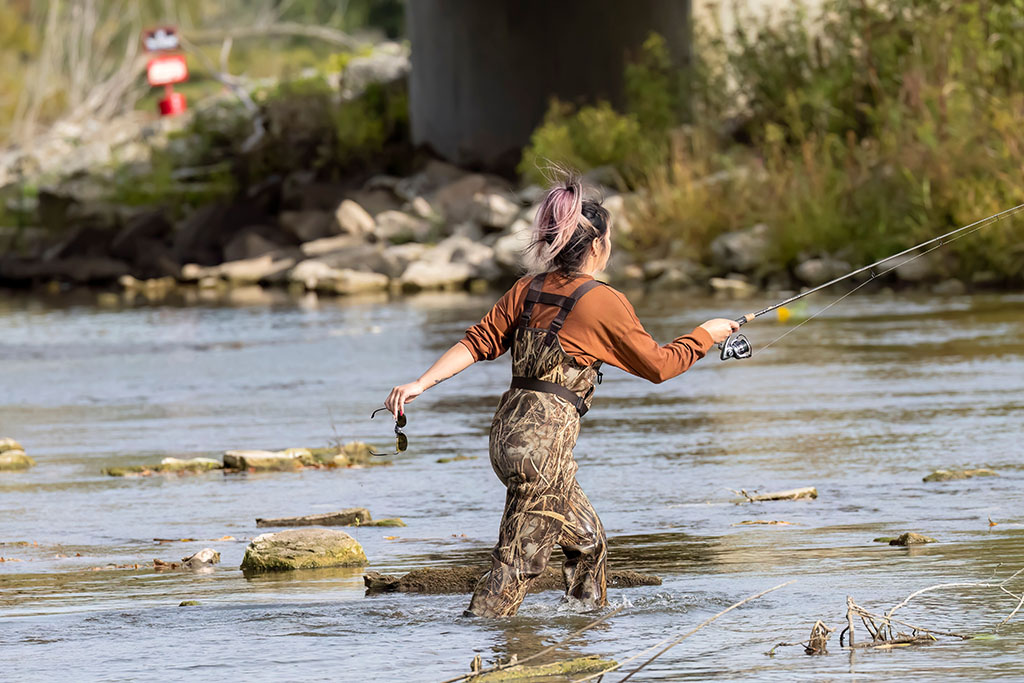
{"x":603,"y":326}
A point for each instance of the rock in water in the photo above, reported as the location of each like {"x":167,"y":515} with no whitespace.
{"x":555,"y":671}
{"x":949,"y":475}
{"x":303,"y":549}
{"x":13,"y":456}
{"x":911,"y":538}
{"x":207,"y":557}
{"x":264,"y":461}
{"x":347,"y":517}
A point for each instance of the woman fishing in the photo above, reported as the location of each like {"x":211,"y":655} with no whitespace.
{"x":561,"y":325}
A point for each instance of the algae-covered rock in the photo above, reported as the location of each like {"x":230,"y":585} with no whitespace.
{"x":188,"y":465}
{"x":949,"y":475}
{"x":188,"y":603}
{"x":540,"y":672}
{"x":457,"y":458}
{"x":347,"y":517}
{"x":9,"y":444}
{"x":911,"y":538}
{"x":264,"y":461}
{"x":166,"y":466}
{"x":440,"y":580}
{"x":303,"y":549}
{"x":389,"y":521}
{"x":15,"y":459}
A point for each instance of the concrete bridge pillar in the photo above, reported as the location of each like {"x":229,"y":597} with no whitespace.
{"x":484,"y":71}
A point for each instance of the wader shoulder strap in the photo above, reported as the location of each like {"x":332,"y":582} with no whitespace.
{"x":575,"y":400}
{"x":533,"y":296}
{"x":570,"y":302}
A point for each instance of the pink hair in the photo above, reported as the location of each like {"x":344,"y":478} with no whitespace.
{"x":558,"y":216}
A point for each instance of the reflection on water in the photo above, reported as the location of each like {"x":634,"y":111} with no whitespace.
{"x":861,"y":403}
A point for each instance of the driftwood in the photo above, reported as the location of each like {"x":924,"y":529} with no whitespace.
{"x":881,"y":627}
{"x":791,"y":494}
{"x":439,"y":580}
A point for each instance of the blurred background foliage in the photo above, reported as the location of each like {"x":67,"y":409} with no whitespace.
{"x":856,"y":132}
{"x":55,"y":53}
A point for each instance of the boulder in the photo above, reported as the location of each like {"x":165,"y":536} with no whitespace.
{"x":307,"y":226}
{"x":669,"y":274}
{"x":395,"y":226}
{"x":817,"y":271}
{"x":509,"y":249}
{"x":456,"y":200}
{"x":341,"y":244}
{"x":268,"y":267}
{"x":316,"y":275}
{"x":733,"y":287}
{"x":303,"y":549}
{"x":743,"y":250}
{"x":422,"y":208}
{"x":494,"y":210}
{"x":460,"y":249}
{"x":264,"y":461}
{"x":355,"y":454}
{"x":911,"y":538}
{"x":435,"y":275}
{"x":205,"y":558}
{"x":347,"y":517}
{"x":387,"y":63}
{"x":353,"y":219}
{"x":15,"y":459}
{"x":140,"y":234}
{"x":616,"y":205}
{"x":9,"y":444}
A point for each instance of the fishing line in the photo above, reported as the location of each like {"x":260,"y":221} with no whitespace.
{"x":737,"y":346}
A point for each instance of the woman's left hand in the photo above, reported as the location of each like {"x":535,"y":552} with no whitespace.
{"x":401,"y":395}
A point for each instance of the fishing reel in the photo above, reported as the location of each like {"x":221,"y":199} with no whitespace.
{"x":737,"y":346}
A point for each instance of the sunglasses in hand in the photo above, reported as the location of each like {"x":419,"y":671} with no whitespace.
{"x":401,"y":440}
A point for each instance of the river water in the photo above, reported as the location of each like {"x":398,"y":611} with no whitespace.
{"x":861,"y":403}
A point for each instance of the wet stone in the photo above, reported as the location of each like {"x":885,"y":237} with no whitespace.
{"x":555,"y":671}
{"x":207,"y":557}
{"x":303,"y":549}
{"x":347,"y":517}
{"x":911,"y":538}
{"x":166,"y":466}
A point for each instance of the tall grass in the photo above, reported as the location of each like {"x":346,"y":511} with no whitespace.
{"x":855,"y":133}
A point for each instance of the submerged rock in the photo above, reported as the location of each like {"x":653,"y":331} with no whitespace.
{"x":436,"y":580}
{"x":911,"y":538}
{"x":347,"y":517}
{"x":13,"y":456}
{"x":303,"y":549}
{"x":555,"y":671}
{"x":265,"y":461}
{"x":166,"y":466}
{"x":207,"y":557}
{"x":949,"y":475}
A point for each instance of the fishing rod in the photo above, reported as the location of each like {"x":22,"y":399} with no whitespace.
{"x":738,"y":346}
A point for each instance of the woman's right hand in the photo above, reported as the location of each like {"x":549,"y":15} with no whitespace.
{"x":399,"y":396}
{"x":720,"y":328}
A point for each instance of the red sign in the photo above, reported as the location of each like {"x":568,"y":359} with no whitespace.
{"x":167,"y":69}
{"x":161,"y":39}
{"x":173,"y":104}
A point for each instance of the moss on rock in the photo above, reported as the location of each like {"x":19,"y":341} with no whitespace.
{"x":14,"y":460}
{"x":950,"y":475}
{"x":539,"y":672}
{"x":166,"y":466}
{"x":303,"y":549}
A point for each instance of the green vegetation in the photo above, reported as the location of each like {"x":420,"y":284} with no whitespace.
{"x":857,"y":133}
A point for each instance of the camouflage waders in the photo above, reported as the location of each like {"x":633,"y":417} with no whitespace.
{"x":532,"y":437}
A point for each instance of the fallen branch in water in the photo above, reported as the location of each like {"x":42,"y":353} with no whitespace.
{"x":791,"y":494}
{"x":880,"y":626}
